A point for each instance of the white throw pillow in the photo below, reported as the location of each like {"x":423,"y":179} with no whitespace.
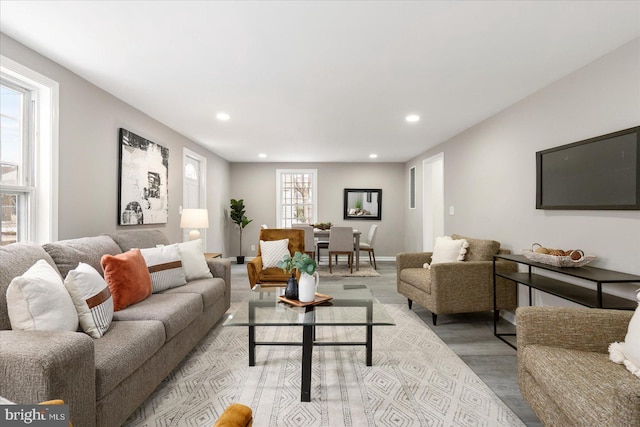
{"x":628,"y":352}
{"x":193,"y":262}
{"x":92,"y":298}
{"x":448,"y":250}
{"x":273,"y":251}
{"x":165,"y":267}
{"x":38,"y":301}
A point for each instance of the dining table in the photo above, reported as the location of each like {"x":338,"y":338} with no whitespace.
{"x":324,"y":234}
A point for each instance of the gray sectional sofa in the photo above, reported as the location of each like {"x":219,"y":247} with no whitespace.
{"x":104,"y":380}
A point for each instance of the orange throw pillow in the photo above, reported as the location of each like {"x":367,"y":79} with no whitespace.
{"x":128,"y":278}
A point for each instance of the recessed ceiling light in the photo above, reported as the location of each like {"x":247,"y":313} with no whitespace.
{"x":223,"y":116}
{"x":412,"y":118}
{"x":262,"y":156}
{"x":373,"y":156}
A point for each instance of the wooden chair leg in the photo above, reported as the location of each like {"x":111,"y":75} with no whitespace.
{"x":375,"y":266}
{"x":330,"y":268}
{"x":434,"y":317}
{"x":410,"y":303}
{"x":350,"y":258}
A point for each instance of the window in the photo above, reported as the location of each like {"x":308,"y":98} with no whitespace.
{"x":297,"y":196}
{"x":15,"y":147}
{"x":28,"y":144}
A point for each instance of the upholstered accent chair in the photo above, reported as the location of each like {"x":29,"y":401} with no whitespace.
{"x":367,"y":245}
{"x":274,"y":275}
{"x":309,"y":239}
{"x":457,"y":287}
{"x":341,"y":243}
{"x":564,"y":371}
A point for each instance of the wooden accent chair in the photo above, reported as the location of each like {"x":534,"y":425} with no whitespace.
{"x":457,"y":287}
{"x":341,"y":243}
{"x":274,"y":275}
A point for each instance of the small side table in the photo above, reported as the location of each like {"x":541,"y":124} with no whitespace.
{"x":209,"y":255}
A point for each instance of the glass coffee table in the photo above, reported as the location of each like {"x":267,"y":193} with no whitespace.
{"x":264,"y":308}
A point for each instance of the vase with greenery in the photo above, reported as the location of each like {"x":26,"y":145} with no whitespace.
{"x":305,"y":288}
{"x":240,"y":219}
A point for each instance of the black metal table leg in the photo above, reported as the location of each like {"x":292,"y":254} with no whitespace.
{"x":252,"y":346}
{"x":307,"y":351}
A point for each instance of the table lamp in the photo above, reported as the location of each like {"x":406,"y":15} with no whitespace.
{"x":194,"y":219}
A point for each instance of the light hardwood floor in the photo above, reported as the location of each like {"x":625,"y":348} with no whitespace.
{"x":470,"y":336}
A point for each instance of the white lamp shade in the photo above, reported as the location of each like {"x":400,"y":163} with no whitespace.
{"x":194,"y":218}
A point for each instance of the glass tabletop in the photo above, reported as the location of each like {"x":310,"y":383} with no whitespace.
{"x":351,"y":304}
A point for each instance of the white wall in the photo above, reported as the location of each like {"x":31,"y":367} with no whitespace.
{"x":89,"y":155}
{"x":490,"y":168}
{"x":256,"y":184}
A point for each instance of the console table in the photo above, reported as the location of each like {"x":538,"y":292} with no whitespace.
{"x":593,"y":298}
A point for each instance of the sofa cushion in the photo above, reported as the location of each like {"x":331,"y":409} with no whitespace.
{"x":448,"y":250}
{"x":15,"y":259}
{"x":193,"y":261}
{"x":211,"y":290}
{"x":67,"y":254}
{"x":628,"y":352}
{"x":165,"y":267}
{"x":417,"y":277}
{"x":92,"y":299}
{"x":176,"y":311}
{"x":479,"y":249}
{"x":128,"y":278}
{"x":124,"y":348}
{"x":38,"y":301}
{"x":130,"y":239}
{"x":578,"y":381}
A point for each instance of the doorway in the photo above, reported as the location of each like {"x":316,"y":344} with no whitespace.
{"x":194,"y":186}
{"x":432,"y":200}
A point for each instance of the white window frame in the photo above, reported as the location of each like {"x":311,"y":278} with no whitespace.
{"x":314,"y":195}
{"x":43,"y":216}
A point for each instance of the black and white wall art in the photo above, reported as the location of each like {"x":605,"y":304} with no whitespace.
{"x":144,"y":173}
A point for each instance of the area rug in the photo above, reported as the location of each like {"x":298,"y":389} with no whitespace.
{"x":342,"y":270}
{"x":415,"y":380}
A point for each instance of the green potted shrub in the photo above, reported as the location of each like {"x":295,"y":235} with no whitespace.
{"x":240,"y":219}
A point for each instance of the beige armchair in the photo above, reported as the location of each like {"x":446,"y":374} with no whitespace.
{"x":564,"y":369}
{"x":274,"y":275}
{"x":456,"y":287}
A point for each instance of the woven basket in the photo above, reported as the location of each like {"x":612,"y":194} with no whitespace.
{"x":556,"y":261}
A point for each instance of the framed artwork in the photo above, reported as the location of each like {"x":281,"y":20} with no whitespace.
{"x":363,"y":203}
{"x":144,"y":179}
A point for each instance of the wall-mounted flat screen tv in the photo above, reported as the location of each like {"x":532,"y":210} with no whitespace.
{"x":597,"y":173}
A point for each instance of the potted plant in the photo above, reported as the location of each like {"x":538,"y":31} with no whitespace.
{"x":305,"y":289}
{"x":240,"y":219}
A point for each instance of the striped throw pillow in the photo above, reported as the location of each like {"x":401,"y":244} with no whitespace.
{"x":92,"y":299}
{"x":165,"y":267}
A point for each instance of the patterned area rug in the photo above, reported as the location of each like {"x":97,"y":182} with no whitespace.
{"x":342,"y":270}
{"x":415,"y":380}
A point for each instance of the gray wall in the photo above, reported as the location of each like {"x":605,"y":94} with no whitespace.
{"x":490,"y":168}
{"x":89,"y":156}
{"x":256,"y":184}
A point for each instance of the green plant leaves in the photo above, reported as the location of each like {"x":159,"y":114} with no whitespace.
{"x":300,"y":261}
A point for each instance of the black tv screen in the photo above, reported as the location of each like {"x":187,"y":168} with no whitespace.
{"x":597,"y":173}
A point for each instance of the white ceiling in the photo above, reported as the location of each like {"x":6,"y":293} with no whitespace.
{"x":321,"y":81}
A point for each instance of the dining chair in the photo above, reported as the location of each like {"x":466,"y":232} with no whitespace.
{"x":341,"y":243}
{"x":367,"y":246}
{"x":309,"y":239}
